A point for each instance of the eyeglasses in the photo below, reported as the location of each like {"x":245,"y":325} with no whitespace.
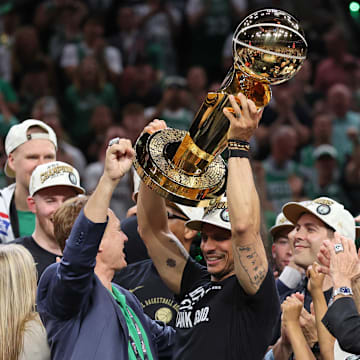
{"x":174,"y":216}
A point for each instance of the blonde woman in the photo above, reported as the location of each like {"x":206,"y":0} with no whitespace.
{"x":22,"y":335}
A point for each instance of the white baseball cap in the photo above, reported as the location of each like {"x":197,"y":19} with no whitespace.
{"x":54,"y":173}
{"x":281,"y":223}
{"x":327,"y":210}
{"x":217,"y":214}
{"x":17,"y":136}
{"x":192,"y":213}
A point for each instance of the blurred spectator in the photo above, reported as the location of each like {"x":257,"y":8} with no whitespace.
{"x":101,"y":119}
{"x":133,"y":121}
{"x":159,"y":21}
{"x":338,"y":67}
{"x":27,"y":145}
{"x":47,"y":110}
{"x":281,"y":247}
{"x":196,"y":79}
{"x":173,"y":108}
{"x":93,"y":44}
{"x":88,"y":90}
{"x":321,"y":134}
{"x":28,"y":93}
{"x":128,"y":39}
{"x":7,"y":119}
{"x":325,"y":179}
{"x":283,"y":110}
{"x":139,"y":84}
{"x":303,"y":90}
{"x":339,"y":104}
{"x":9,"y":21}
{"x":121,"y":200}
{"x":22,"y":334}
{"x":9,"y":96}
{"x":279,"y":166}
{"x":351,"y":180}
{"x":67,"y":29}
{"x":50,"y":185}
{"x":27,"y":56}
{"x":210,"y":22}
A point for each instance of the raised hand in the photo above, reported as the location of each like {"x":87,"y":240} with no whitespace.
{"x":119,"y":158}
{"x":316,"y":279}
{"x":291,"y":309}
{"x":154,"y":126}
{"x":344,"y":260}
{"x":244,"y":118}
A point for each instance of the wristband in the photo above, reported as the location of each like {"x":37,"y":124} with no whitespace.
{"x":235,"y":144}
{"x":238,"y":153}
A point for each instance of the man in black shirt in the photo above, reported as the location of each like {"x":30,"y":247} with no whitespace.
{"x":50,"y":185}
{"x":228,"y":309}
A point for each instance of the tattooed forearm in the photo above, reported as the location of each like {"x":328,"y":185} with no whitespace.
{"x":252,"y":264}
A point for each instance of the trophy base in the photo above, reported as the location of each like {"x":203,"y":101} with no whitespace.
{"x":153,"y":163}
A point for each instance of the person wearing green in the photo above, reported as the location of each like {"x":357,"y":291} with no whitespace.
{"x":86,"y":315}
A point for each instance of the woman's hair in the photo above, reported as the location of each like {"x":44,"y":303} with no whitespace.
{"x":18,"y":282}
{"x":65,"y":217}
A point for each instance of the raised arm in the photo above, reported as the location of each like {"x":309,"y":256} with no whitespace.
{"x":250,"y":261}
{"x":315,"y":286}
{"x":69,"y":288}
{"x":166,"y":251}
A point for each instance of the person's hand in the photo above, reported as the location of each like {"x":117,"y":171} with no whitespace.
{"x":316,"y":279}
{"x":244,"y":119}
{"x":291,"y":310}
{"x":344,"y":264}
{"x":119,"y":158}
{"x":308,"y":327}
{"x":154,"y":126}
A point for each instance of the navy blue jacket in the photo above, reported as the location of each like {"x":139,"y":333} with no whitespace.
{"x":82,"y":319}
{"x":343,"y":321}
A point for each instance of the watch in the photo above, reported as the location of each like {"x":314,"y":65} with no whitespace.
{"x":343,"y":290}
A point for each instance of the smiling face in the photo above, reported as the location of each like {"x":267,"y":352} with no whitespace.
{"x":309,"y":234}
{"x":217,"y":250}
{"x":45,"y":202}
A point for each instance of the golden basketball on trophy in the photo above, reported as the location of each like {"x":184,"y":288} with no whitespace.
{"x":186,"y":167}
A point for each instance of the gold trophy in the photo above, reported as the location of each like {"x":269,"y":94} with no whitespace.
{"x":269,"y":48}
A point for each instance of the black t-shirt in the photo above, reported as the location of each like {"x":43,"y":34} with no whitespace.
{"x":42,"y":257}
{"x":143,"y":280}
{"x":135,"y":249}
{"x":218,"y":320}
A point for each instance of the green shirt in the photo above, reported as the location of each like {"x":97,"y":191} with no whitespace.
{"x":133,"y":333}
{"x":26,"y":222}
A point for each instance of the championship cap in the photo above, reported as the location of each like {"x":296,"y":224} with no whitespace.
{"x":192,"y":213}
{"x":327,"y":210}
{"x":17,"y":136}
{"x":217,"y":214}
{"x":56,"y":173}
{"x":281,"y":223}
